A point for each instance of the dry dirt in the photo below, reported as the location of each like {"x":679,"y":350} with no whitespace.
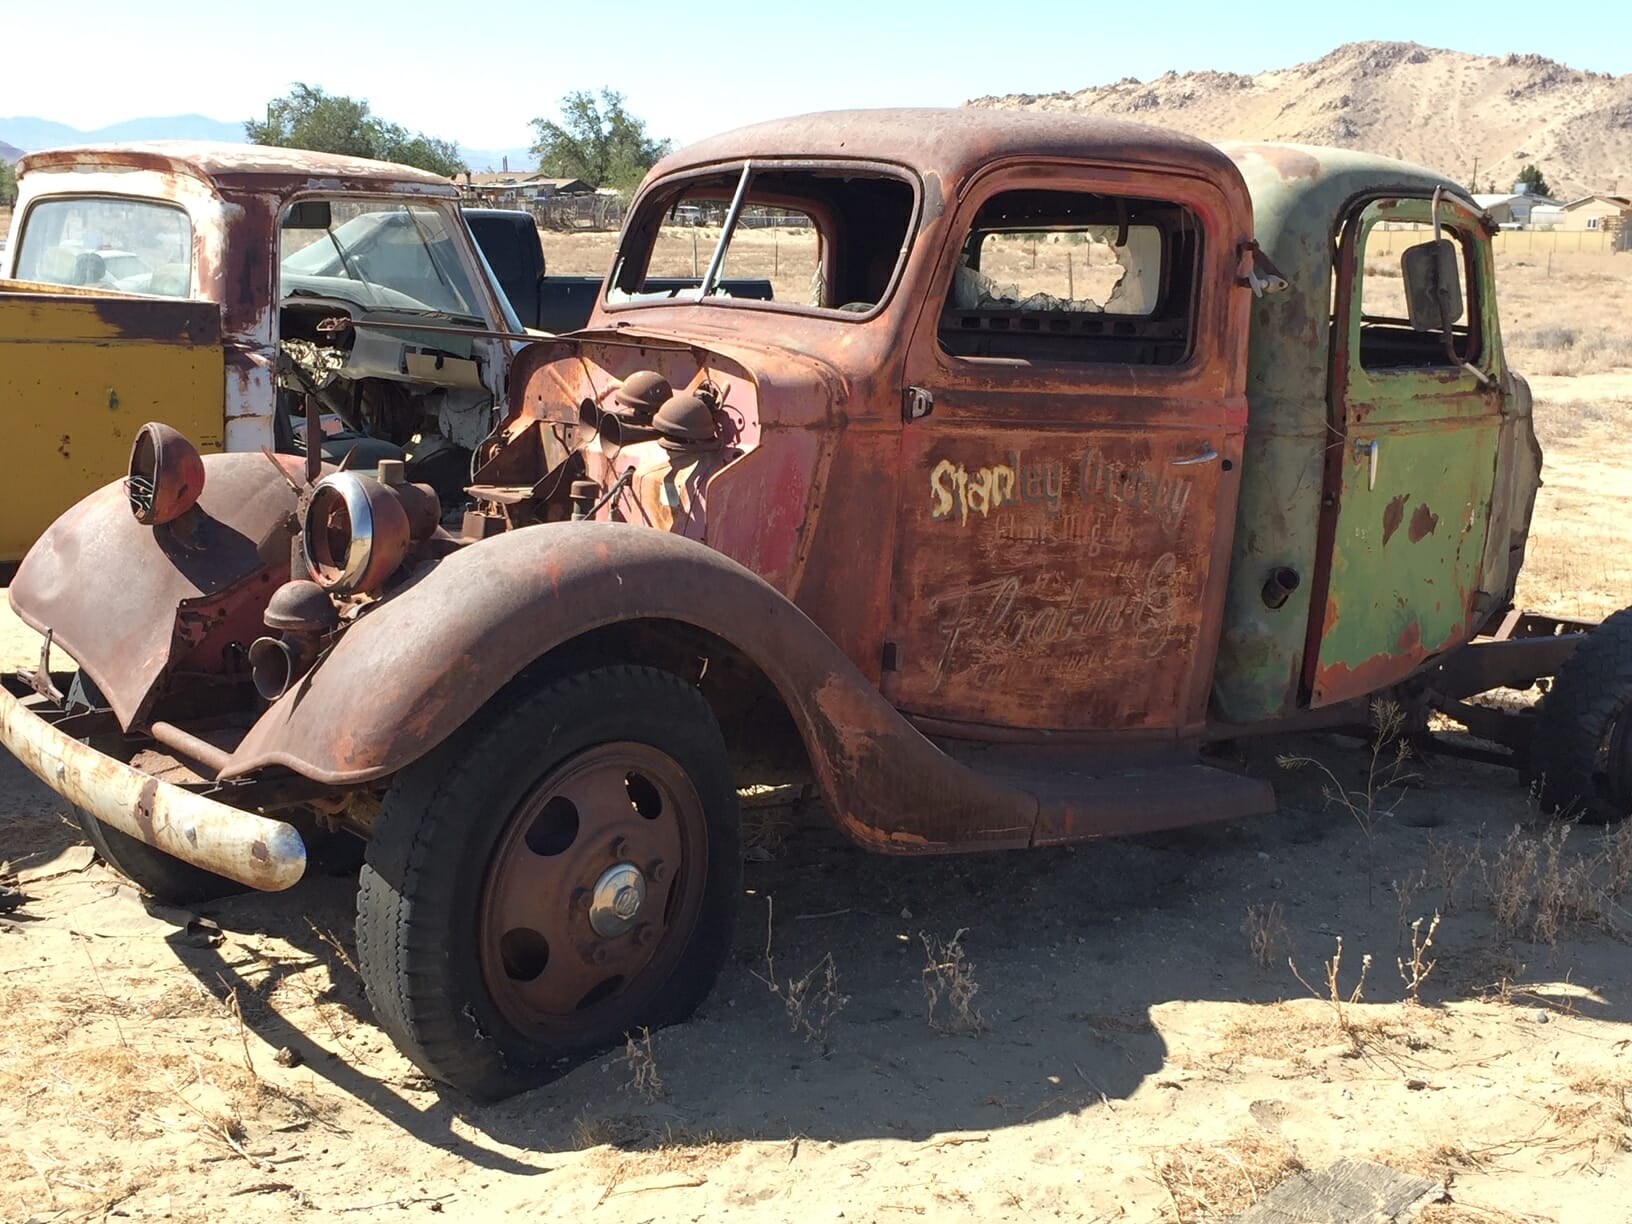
{"x":1479,"y":118}
{"x":1136,"y":1046}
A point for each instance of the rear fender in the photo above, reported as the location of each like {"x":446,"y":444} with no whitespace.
{"x":420,"y":664}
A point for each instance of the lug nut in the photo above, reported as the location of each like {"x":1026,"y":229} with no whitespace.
{"x":658,"y":871}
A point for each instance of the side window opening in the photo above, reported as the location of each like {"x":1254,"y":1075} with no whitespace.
{"x":820,"y":238}
{"x":1388,"y":338}
{"x":1073,"y":276}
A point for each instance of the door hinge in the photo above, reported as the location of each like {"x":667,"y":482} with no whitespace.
{"x":916,"y":403}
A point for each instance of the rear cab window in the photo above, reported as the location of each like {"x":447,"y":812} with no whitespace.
{"x":142,"y":247}
{"x":828,"y":239}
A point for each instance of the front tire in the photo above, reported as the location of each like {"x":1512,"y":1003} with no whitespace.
{"x":1581,"y":751}
{"x":561,"y":871}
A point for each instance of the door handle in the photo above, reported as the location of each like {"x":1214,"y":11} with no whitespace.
{"x":1368,"y":448}
{"x":1206,"y":456}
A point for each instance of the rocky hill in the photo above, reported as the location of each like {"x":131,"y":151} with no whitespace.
{"x":1444,"y":109}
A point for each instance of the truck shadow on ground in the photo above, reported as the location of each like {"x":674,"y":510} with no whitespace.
{"x":1071,"y":955}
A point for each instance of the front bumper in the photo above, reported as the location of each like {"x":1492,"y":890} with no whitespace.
{"x":252,"y":850}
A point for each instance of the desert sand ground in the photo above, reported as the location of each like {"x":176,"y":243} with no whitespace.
{"x":1117,"y":1033}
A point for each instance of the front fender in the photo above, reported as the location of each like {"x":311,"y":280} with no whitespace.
{"x":417,"y":666}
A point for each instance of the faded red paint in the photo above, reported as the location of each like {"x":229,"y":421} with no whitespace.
{"x":1393,"y":515}
{"x":1423,"y":522}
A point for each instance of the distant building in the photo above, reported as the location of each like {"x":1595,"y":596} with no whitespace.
{"x":1514,"y":209}
{"x":504,"y":189}
{"x":1597,"y":212}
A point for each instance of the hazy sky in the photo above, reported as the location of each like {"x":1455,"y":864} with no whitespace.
{"x":476,"y":73}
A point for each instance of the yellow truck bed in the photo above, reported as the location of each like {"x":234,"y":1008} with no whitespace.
{"x":79,"y":374}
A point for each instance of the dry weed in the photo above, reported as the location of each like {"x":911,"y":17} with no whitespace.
{"x":813,"y":1001}
{"x":1385,"y":772}
{"x":1416,"y":973}
{"x":641,"y":1060}
{"x":1445,"y":865}
{"x":1265,"y":929}
{"x":1334,"y":997}
{"x":1215,"y":1181}
{"x":949,"y":978}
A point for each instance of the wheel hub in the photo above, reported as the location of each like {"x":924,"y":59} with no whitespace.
{"x":592,"y":891}
{"x":616,"y":899}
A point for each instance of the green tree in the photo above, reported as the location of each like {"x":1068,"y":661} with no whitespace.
{"x":8,"y":184}
{"x":1532,"y":179}
{"x":598,"y":141}
{"x":308,"y":118}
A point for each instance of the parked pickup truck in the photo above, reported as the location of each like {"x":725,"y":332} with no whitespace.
{"x":510,"y":240}
{"x":1094,"y":444}
{"x":221,"y":287}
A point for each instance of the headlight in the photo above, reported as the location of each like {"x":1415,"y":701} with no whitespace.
{"x":164,"y":476}
{"x":355,"y":533}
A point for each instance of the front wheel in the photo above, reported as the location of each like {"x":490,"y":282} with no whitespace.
{"x":563,"y":870}
{"x":1581,"y":750}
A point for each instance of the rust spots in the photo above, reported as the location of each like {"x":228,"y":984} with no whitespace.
{"x":1393,"y":516}
{"x":1288,"y":162}
{"x":63,"y":444}
{"x":144,"y":809}
{"x":1410,"y":639}
{"x":1423,"y":522}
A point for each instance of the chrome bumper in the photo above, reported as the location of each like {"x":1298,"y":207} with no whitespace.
{"x":253,"y":850}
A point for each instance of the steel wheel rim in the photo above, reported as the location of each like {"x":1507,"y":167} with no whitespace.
{"x":561,"y":959}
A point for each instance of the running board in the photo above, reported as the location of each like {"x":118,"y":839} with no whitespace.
{"x":1080,"y":798}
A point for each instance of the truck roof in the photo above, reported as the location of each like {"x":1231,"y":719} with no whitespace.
{"x":952,"y":141}
{"x":222,"y":164}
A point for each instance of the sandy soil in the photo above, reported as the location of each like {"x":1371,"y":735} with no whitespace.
{"x":1143,"y":1049}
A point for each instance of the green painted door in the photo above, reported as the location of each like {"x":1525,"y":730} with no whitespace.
{"x":1412,"y":457}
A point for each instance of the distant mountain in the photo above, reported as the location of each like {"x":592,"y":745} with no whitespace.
{"x":1444,"y":109}
{"x":29,"y":133}
{"x":8,"y":152}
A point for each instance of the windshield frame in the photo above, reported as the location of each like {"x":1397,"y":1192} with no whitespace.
{"x":817,"y":210}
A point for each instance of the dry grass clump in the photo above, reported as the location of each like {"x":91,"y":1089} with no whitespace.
{"x":1598,"y":1117}
{"x":1265,"y":929}
{"x":1538,"y":891}
{"x":949,"y":986}
{"x":1569,"y":350}
{"x":1213,"y":1181}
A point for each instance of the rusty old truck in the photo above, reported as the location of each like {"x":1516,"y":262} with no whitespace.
{"x":1065,"y":448}
{"x":221,"y":285}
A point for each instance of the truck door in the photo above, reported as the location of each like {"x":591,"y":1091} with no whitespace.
{"x":1071,"y":456}
{"x":1415,"y":423}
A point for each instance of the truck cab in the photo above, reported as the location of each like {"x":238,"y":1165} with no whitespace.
{"x":350,"y":281}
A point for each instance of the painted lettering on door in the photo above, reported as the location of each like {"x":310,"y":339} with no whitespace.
{"x":956,"y":492}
